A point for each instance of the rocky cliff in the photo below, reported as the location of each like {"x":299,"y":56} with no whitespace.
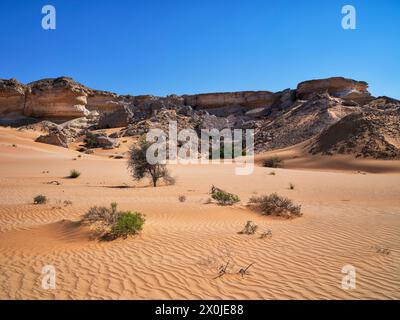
{"x":340,"y":87}
{"x":65,"y":98}
{"x":56,"y":98}
{"x":12,"y":98}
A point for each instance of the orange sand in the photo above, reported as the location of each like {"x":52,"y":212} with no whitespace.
{"x":347,"y":216}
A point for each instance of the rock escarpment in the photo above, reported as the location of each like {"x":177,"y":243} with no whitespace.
{"x":12,"y":98}
{"x":346,"y":89}
{"x":56,"y":98}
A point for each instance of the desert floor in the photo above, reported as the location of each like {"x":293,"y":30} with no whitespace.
{"x":350,"y":217}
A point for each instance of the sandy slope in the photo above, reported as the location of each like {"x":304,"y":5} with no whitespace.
{"x":347,"y":216}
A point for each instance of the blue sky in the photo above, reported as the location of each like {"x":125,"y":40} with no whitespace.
{"x":188,"y":46}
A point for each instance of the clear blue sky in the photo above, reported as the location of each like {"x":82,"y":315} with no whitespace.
{"x":191,"y":46}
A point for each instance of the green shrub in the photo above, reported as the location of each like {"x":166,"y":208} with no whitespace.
{"x":110,"y":223}
{"x":40,"y":199}
{"x":129,"y":223}
{"x":274,"y":162}
{"x":276,"y":205}
{"x":74,"y":174}
{"x":90,"y":140}
{"x":224,"y":198}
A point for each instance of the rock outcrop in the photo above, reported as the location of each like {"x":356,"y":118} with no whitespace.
{"x":60,"y":98}
{"x":247,"y":99}
{"x":340,"y":87}
{"x":302,"y":121}
{"x":12,"y":98}
{"x":116,"y":119}
{"x":370,"y":133}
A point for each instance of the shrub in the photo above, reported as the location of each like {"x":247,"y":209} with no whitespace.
{"x":249,"y":229}
{"x":182,"y":198}
{"x":274,"y":162}
{"x":118,"y":157}
{"x":276,"y":205}
{"x":111,"y":223}
{"x":40,"y":199}
{"x":222,"y":197}
{"x":129,"y":223}
{"x":291,"y":186}
{"x":90,"y":140}
{"x":74,"y":174}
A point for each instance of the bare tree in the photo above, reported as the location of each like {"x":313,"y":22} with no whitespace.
{"x":141,"y":168}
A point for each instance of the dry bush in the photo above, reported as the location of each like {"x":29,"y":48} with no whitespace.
{"x":111,"y":223}
{"x":275,"y":205}
{"x":40,"y":199}
{"x":274,"y":162}
{"x":222,"y":197}
{"x":182,"y":198}
{"x":74,"y":174}
{"x":249,"y":229}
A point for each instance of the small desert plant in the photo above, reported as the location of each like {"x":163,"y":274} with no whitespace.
{"x":90,"y":140}
{"x":67,"y":203}
{"x":276,"y":205}
{"x":272,"y":173}
{"x":224,"y":198}
{"x":40,"y":199}
{"x":182,"y":198}
{"x":274,"y":162}
{"x":102,"y":215}
{"x":74,"y":174}
{"x":111,"y":223}
{"x":291,"y":186}
{"x":249,"y":229}
{"x":118,"y":157}
{"x":266,"y":234}
{"x":129,"y":223}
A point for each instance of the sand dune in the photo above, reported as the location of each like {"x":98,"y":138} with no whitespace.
{"x":348,"y":216}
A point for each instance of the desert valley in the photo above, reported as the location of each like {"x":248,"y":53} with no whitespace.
{"x":328,"y":145}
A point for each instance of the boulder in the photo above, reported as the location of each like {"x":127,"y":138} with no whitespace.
{"x":100,"y":140}
{"x":115,"y":119}
{"x":56,"y":138}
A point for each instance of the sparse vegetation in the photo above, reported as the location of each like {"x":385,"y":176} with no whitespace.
{"x":118,"y":156}
{"x":273,"y":162}
{"x":249,"y":229}
{"x":182,"y":198}
{"x":111,"y":223}
{"x":266,"y":234}
{"x":276,"y":205}
{"x":67,"y":203}
{"x":291,"y":186}
{"x":222,"y":197}
{"x":74,"y":174}
{"x":141,"y":168}
{"x":90,"y":140}
{"x":40,"y":199}
{"x":128,"y":223}
{"x":272,"y":173}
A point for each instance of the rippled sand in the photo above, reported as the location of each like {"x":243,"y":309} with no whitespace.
{"x":348,"y":217}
